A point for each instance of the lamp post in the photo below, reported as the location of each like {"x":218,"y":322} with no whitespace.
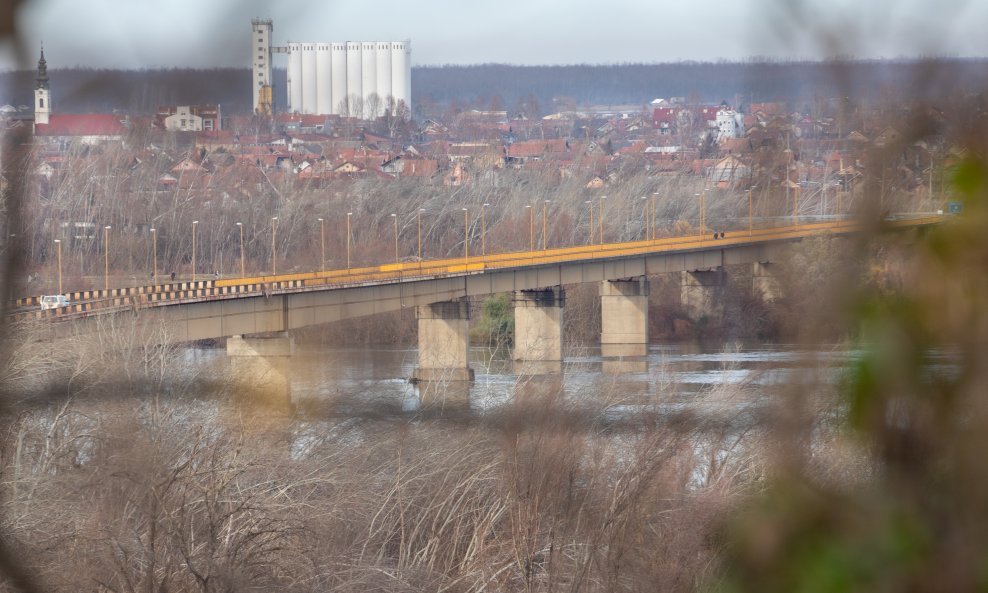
{"x":322,"y":245}
{"x":652,"y":223}
{"x":531,"y":228}
{"x":106,"y":258}
{"x":194,"y":224}
{"x":483,"y":229}
{"x":243,"y":273}
{"x":589,"y":204}
{"x":701,"y":196}
{"x":645,"y":216}
{"x":274,"y":246}
{"x":58,"y":246}
{"x":545,"y":236}
{"x":466,"y":236}
{"x":750,"y":189}
{"x":394,"y":218}
{"x":348,"y":215}
{"x":154,"y":256}
{"x":795,"y":205}
{"x":421,"y":210}
{"x":600,"y":219}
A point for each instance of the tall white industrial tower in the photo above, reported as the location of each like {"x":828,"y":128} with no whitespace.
{"x":261,"y":59}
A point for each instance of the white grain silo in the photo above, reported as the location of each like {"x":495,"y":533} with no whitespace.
{"x":368,"y":79}
{"x":324,"y":79}
{"x":401,"y":72}
{"x":339,"y":75}
{"x":354,"y":93}
{"x":383,"y":74}
{"x":294,"y":78}
{"x":335,"y":78}
{"x":308,"y":78}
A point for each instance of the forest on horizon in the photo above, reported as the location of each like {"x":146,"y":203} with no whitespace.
{"x":503,"y":86}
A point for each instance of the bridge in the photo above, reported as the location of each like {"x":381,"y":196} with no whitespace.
{"x":248,"y":311}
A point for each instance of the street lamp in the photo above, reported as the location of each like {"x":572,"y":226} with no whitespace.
{"x":322,"y":245}
{"x":274,"y":246}
{"x":421,"y":210}
{"x":701,"y":196}
{"x":106,"y":258}
{"x":545,"y":208}
{"x":750,"y":189}
{"x":194,"y":223}
{"x":589,"y":204}
{"x":483,"y":229}
{"x":394,"y":218}
{"x":466,"y":236}
{"x":154,"y":257}
{"x":652,"y":224}
{"x":58,"y":245}
{"x":600,"y":218}
{"x":243,"y":273}
{"x":348,"y":215}
{"x":645,"y":216}
{"x":531,"y":228}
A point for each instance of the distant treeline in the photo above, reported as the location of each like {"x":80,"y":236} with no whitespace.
{"x":510,"y":87}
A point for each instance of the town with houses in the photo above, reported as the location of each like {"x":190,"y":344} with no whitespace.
{"x":726,"y":145}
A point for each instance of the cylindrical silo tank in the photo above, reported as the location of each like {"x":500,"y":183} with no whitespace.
{"x":353,"y":78}
{"x":294,"y":77}
{"x":308,"y":78}
{"x":383,"y":73}
{"x":368,"y":79}
{"x":339,"y":75}
{"x":401,"y":81}
{"x":324,"y":79}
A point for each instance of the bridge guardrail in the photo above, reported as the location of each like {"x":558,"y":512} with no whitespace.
{"x":172,"y":293}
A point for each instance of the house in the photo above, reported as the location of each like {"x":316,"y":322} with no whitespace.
{"x":728,"y":171}
{"x":189,"y":118}
{"x":88,"y":129}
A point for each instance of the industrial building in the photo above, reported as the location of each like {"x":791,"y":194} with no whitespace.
{"x":355,"y":79}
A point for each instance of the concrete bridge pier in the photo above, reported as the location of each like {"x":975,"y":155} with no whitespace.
{"x":701,"y":292}
{"x":259,"y":368}
{"x":444,"y":342}
{"x":624,"y":325}
{"x":538,"y":327}
{"x":764,"y":282}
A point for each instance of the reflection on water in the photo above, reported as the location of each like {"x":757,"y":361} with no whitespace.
{"x":374,"y":380}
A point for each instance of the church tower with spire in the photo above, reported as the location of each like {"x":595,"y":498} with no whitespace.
{"x":42,"y":95}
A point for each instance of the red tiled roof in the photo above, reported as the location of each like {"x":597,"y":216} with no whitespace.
{"x":96,"y":124}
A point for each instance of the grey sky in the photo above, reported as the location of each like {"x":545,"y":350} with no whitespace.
{"x":207,"y":33}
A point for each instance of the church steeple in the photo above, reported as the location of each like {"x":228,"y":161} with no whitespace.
{"x":42,"y":96}
{"x":42,"y":80}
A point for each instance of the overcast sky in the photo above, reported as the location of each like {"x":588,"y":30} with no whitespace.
{"x":208,"y":33}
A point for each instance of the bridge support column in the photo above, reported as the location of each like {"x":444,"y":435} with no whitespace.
{"x":624,"y":325}
{"x":444,"y":342}
{"x":538,"y":324}
{"x":764,"y":283}
{"x":260,"y":368}
{"x":700,"y":292}
{"x":624,"y":312}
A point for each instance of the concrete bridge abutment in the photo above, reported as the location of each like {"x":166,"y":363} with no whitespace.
{"x":701,"y":292}
{"x":444,"y":342}
{"x":260,"y":367}
{"x":539,"y":324}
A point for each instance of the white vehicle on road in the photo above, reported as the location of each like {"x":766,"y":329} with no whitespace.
{"x":54,"y":301}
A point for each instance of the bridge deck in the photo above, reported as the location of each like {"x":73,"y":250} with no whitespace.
{"x":177,"y":294}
